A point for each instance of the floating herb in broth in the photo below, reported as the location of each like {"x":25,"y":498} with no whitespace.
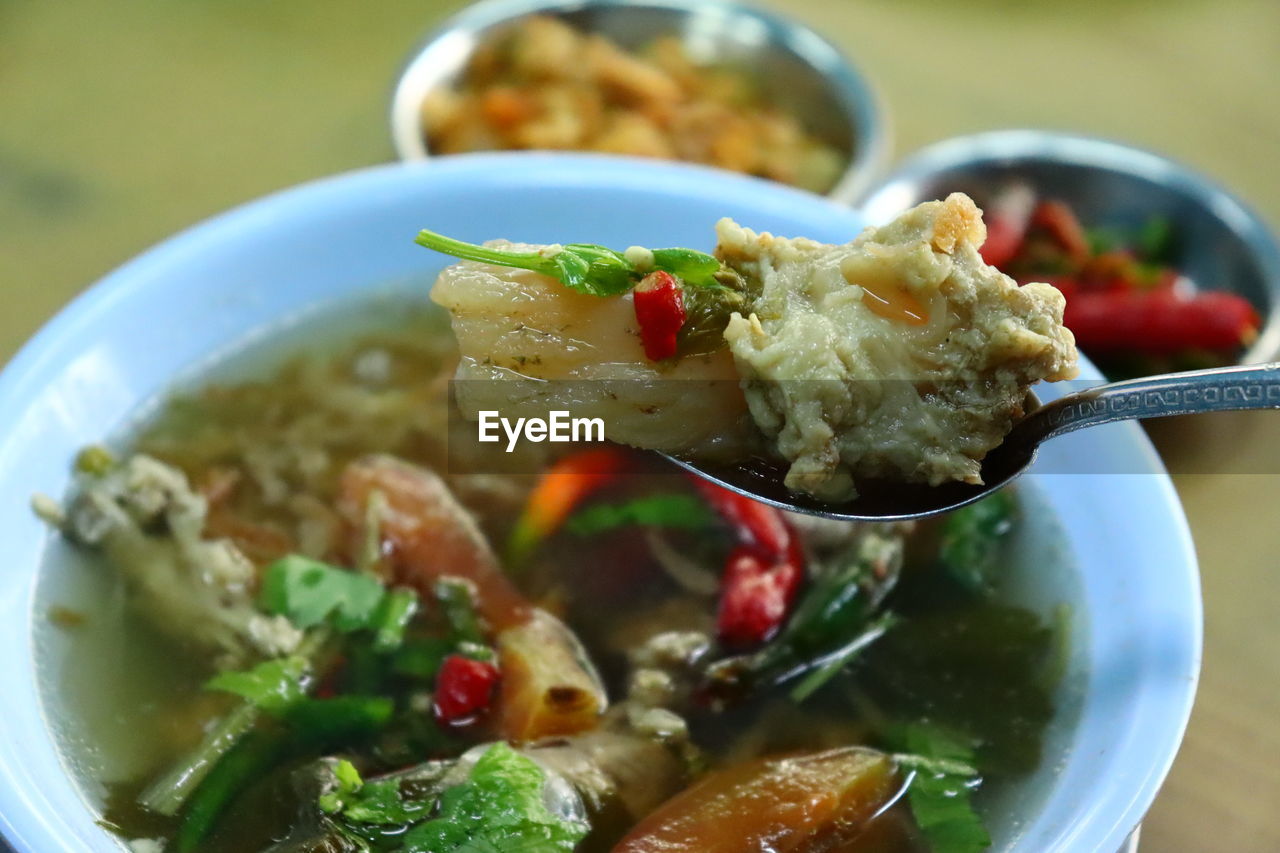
{"x":891,"y":655}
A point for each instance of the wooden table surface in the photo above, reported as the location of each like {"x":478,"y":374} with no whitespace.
{"x":122,"y":122}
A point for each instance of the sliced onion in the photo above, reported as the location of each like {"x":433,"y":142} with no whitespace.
{"x":689,"y":574}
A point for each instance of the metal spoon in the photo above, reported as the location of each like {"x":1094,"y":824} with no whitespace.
{"x":1194,"y":392}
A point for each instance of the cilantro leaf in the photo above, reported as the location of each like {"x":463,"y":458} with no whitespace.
{"x":499,"y":809}
{"x":273,"y":685}
{"x":594,"y":269}
{"x":973,"y":538}
{"x":310,"y":593}
{"x":693,"y":268}
{"x":378,"y":802}
{"x":942,"y":780}
{"x":675,"y":510}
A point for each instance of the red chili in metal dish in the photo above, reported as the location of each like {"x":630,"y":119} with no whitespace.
{"x":1124,"y":293}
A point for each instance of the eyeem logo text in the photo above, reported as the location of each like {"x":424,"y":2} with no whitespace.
{"x":557,"y":426}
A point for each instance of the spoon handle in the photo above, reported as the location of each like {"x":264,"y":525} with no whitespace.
{"x":1220,"y":389}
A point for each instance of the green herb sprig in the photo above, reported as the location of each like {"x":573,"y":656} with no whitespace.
{"x":585,"y":267}
{"x":310,"y":593}
{"x":677,"y":511}
{"x":942,"y":780}
{"x":972,"y":545}
{"x":499,"y":806}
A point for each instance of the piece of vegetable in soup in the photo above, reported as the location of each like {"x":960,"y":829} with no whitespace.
{"x":898,"y":356}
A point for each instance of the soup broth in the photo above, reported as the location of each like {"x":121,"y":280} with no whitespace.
{"x":268,"y":441}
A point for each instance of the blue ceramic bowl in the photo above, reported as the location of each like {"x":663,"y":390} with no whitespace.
{"x":1115,"y":547}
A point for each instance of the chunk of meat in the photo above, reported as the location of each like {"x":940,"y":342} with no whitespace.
{"x":900,"y":356}
{"x":818,"y":803}
{"x":144,"y":516}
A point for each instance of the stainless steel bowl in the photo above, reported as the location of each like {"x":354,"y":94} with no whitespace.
{"x":794,"y":66}
{"x":1226,"y":245}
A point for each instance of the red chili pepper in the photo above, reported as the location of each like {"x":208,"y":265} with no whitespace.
{"x":464,"y":689}
{"x":659,"y":307}
{"x":1159,"y":321}
{"x":1167,"y":279}
{"x":1007,"y":219}
{"x":1062,"y":224}
{"x":757,"y":524}
{"x":1004,"y":239}
{"x":757,"y":596}
{"x":762,"y":576}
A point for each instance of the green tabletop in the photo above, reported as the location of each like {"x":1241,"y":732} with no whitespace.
{"x":122,"y":121}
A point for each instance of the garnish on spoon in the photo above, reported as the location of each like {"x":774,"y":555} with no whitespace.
{"x":899,"y":357}
{"x":656,"y":277}
{"x":586,"y":267}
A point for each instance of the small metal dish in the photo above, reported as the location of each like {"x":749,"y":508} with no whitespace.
{"x":793,"y":65}
{"x":1226,"y":245}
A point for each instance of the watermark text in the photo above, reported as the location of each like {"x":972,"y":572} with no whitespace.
{"x":558,"y":426}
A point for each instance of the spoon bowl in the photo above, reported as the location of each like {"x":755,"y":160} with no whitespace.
{"x":877,"y":500}
{"x":1188,"y":393}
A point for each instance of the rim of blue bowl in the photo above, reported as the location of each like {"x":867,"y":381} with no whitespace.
{"x":21,"y":819}
{"x":862,"y":102}
{"x":1010,"y":146}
